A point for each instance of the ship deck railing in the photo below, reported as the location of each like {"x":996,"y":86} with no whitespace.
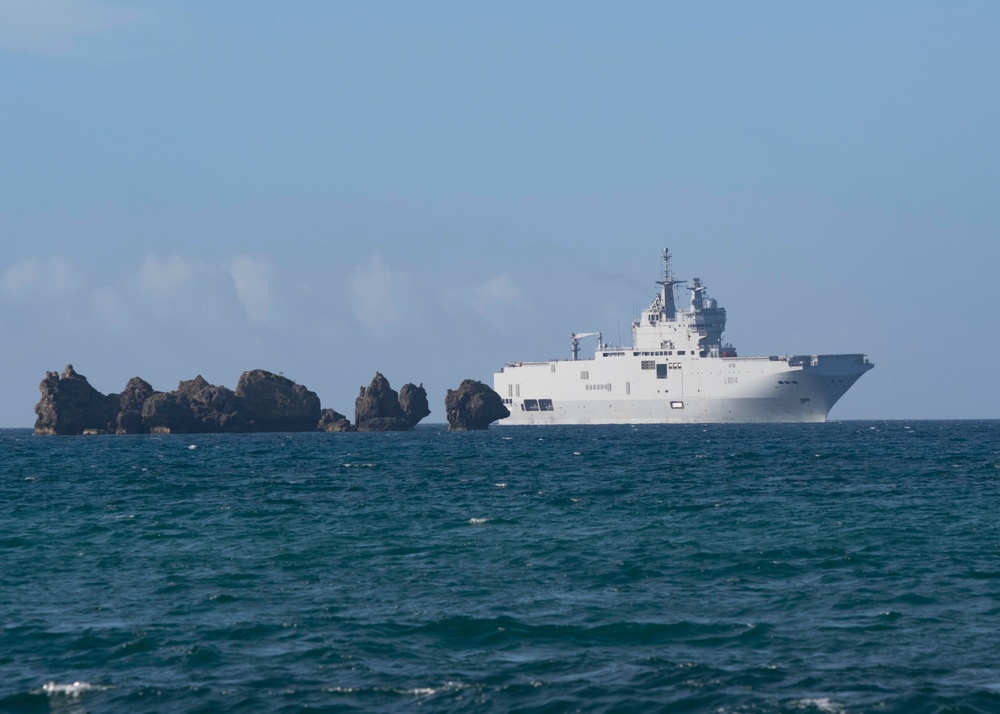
{"x":792,"y":360}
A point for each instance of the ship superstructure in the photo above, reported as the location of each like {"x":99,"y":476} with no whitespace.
{"x":678,"y":370}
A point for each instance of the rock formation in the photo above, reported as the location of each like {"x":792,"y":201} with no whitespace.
{"x":69,"y":405}
{"x":473,"y":406}
{"x":331,"y":420}
{"x":262,"y":402}
{"x":270,"y":402}
{"x":379,"y":408}
{"x":129,"y":420}
{"x":413,"y":402}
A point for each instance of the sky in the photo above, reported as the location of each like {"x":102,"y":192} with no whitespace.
{"x":430,"y":190}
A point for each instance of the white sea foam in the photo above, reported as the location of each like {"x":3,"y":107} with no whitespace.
{"x":192,"y":447}
{"x":479,"y":521}
{"x":413,"y":692}
{"x":822,"y":704}
{"x":359,"y":466}
{"x":501,"y":484}
{"x":54,"y":689}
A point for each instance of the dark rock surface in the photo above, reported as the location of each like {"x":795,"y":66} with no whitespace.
{"x":413,"y":402}
{"x":270,"y":402}
{"x":379,"y":408}
{"x":385,"y":424}
{"x":377,"y":401}
{"x":473,"y":406}
{"x":70,"y":405}
{"x":332,"y":420}
{"x":169,"y":413}
{"x":129,"y":420}
{"x":262,"y":402}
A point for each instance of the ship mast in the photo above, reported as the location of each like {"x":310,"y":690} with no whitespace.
{"x":667,"y":288}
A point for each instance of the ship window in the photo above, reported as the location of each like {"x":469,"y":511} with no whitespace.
{"x":585,"y":375}
{"x":517,"y":388}
{"x":648,"y":364}
{"x":510,"y":390}
{"x":676,"y":405}
{"x":681,"y":352}
{"x":545,"y":405}
{"x":661,"y":371}
{"x":531,"y":405}
{"x":628,"y":387}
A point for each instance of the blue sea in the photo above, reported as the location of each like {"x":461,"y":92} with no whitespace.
{"x":839,"y":567}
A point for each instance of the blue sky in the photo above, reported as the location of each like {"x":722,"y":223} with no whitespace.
{"x":432,"y":189}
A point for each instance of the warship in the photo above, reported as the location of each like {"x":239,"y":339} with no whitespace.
{"x":677,"y":371}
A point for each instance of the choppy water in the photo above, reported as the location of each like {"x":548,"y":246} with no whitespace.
{"x":843,"y":567}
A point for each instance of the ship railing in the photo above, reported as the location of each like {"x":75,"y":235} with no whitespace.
{"x":523,"y":363}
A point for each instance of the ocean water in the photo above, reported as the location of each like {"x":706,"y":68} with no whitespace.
{"x":840,"y":567}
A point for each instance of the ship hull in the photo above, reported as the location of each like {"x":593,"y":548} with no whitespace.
{"x":626,"y":387}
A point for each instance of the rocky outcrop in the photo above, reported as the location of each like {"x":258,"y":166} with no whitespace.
{"x":379,"y":408}
{"x":195,"y":407}
{"x":270,"y":402}
{"x":473,"y":406}
{"x":135,"y":394}
{"x":331,"y":420}
{"x":70,"y":405}
{"x":262,"y":402}
{"x":413,"y":402}
{"x":169,"y":413}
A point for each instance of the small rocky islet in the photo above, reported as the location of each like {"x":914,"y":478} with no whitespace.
{"x":262,"y":402}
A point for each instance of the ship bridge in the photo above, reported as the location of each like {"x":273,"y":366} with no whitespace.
{"x":698,"y":328}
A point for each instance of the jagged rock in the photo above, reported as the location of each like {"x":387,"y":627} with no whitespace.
{"x":270,"y":402}
{"x":379,"y":408}
{"x":195,"y":407}
{"x":385,"y":424}
{"x":214,"y":408}
{"x":70,"y":405}
{"x":413,"y":402}
{"x":377,"y":401}
{"x":129,"y":420}
{"x":169,"y":413}
{"x":473,"y":406}
{"x":262,"y":402}
{"x":331,"y":420}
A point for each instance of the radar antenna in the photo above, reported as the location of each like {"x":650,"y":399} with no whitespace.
{"x":667,"y":287}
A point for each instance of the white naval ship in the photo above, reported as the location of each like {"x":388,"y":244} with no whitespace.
{"x":677,"y":371}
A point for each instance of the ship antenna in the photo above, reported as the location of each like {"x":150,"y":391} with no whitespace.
{"x":667,"y":287}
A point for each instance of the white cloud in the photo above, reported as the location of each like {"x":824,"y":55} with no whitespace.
{"x":373,"y":288}
{"x":52,"y":27}
{"x":162,"y":277}
{"x":31,"y":276}
{"x":499,"y":289}
{"x":252,"y":278}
